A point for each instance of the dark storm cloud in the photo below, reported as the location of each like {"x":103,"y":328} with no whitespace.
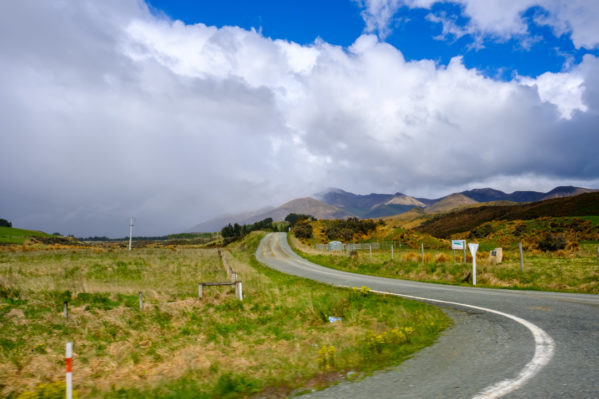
{"x":109,"y":112}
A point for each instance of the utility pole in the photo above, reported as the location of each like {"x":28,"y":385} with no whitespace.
{"x":131,"y":224}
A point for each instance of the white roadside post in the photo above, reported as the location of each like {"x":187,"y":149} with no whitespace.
{"x":473,"y":248}
{"x":131,"y":224}
{"x":69,"y":370}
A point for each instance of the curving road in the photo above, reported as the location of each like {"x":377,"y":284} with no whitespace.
{"x":512,"y":344}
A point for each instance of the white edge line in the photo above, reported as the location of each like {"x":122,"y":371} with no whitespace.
{"x":544,"y":349}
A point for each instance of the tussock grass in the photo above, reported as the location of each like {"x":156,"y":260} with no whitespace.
{"x":180,"y":346}
{"x":574,"y":270}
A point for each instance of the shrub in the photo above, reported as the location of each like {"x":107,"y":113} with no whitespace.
{"x":345,"y":230}
{"x":303,"y":229}
{"x":552,"y":243}
{"x":441,"y":258}
{"x":5,"y":223}
{"x":482,"y":231}
{"x":293,"y":218}
{"x":410,"y":257}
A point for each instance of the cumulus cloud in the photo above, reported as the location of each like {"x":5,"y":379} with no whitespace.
{"x":110,"y":112}
{"x":501,"y":19}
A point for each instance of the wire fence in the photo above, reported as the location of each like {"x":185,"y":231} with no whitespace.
{"x":338,"y":246}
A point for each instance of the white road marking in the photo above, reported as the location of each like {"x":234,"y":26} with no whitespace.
{"x":544,"y":344}
{"x":544,"y":349}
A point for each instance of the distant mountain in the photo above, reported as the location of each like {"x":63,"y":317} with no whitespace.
{"x":338,"y":204}
{"x":489,"y":194}
{"x":450,"y":202}
{"x":218,"y":222}
{"x":382,"y":205}
{"x":359,"y":205}
{"x":567,"y":191}
{"x":402,"y":199}
{"x":399,"y":203}
{"x":307,"y":206}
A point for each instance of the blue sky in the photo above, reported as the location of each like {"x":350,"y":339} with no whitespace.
{"x":416,"y":36}
{"x":182,"y":111}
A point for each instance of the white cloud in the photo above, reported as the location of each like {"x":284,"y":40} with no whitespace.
{"x":564,"y":90}
{"x":500,"y":19}
{"x":175,"y":123}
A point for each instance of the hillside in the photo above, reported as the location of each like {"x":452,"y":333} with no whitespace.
{"x":382,"y":205}
{"x":11,"y":235}
{"x":450,"y":202}
{"x":466,"y":219}
{"x":307,"y":206}
{"x":337,"y":203}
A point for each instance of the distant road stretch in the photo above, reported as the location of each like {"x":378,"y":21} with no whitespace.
{"x":506,"y":343}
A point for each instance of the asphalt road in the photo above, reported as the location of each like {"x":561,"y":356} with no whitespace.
{"x":505,"y":343}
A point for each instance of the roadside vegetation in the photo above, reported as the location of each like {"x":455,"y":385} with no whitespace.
{"x":560,"y":254}
{"x":279,"y":340}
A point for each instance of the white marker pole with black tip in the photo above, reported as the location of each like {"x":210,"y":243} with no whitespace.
{"x":473,"y":248}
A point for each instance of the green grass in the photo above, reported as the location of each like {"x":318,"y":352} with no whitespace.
{"x":567,"y":272}
{"x":11,"y":235}
{"x":277,"y":340}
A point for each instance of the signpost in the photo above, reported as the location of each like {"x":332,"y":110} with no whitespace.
{"x":458,"y":244}
{"x":473,"y":248}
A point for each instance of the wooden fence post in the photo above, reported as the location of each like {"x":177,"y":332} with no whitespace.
{"x":141,"y":301}
{"x":66,"y":310}
{"x":238,"y":290}
{"x":200,"y":291}
{"x":521,"y":256}
{"x":422,"y":250}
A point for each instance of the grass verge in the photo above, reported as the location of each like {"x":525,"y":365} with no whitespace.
{"x":277,"y":341}
{"x":573,"y":272}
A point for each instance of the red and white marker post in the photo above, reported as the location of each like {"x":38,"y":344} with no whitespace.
{"x":69,"y":370}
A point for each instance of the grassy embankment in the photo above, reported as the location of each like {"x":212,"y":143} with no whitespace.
{"x":575,"y":270}
{"x":276,"y":341}
{"x":10,"y":235}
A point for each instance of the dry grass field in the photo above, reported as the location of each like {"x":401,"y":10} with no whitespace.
{"x":276,"y":341}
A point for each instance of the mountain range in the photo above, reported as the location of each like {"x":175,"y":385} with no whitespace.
{"x":338,"y":204}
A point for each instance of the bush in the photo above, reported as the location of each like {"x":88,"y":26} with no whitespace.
{"x":552,"y":243}
{"x":482,"y":231}
{"x":294,"y":218}
{"x":344,"y":230}
{"x":5,"y":223}
{"x":442,"y":258}
{"x":303,"y":230}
